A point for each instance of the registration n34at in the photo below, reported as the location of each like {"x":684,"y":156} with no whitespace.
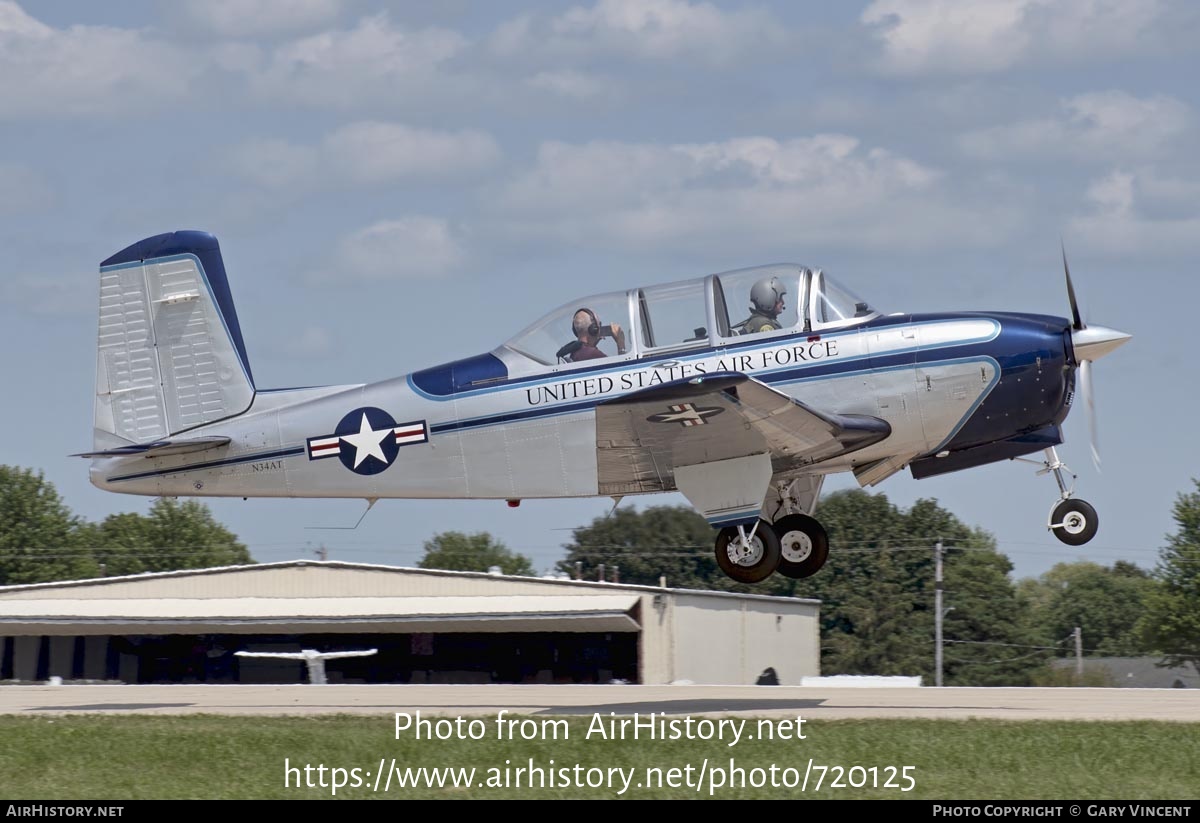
{"x":741,"y":390}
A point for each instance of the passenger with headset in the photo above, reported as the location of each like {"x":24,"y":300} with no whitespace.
{"x":588,"y":333}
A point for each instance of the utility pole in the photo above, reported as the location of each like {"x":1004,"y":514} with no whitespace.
{"x":1079,"y":653}
{"x":937,"y":614}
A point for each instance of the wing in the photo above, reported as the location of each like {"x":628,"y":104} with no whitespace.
{"x":718,"y":439}
{"x":363,"y":653}
{"x":279,"y":655}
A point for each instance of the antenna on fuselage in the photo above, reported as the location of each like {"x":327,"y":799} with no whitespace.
{"x":371,"y":501}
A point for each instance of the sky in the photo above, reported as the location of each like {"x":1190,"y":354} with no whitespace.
{"x":398,"y":185}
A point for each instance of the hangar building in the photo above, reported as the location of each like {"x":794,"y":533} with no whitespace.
{"x":426,"y":627}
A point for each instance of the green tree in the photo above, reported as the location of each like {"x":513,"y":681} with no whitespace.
{"x":1105,"y":603}
{"x":876,"y":590}
{"x":40,"y":539}
{"x":477,"y":552}
{"x":1171,"y":623}
{"x":990,"y":640}
{"x":661,"y":541}
{"x":877,"y":593}
{"x":174,"y":535}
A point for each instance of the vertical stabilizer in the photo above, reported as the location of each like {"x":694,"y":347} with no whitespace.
{"x":170,"y":354}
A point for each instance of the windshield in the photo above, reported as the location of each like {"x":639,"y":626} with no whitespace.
{"x":835,"y":304}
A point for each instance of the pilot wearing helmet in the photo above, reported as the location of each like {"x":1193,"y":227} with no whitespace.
{"x":766,"y":302}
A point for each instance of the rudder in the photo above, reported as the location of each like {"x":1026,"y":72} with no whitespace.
{"x":170,"y":355}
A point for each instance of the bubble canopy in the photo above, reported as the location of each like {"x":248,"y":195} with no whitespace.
{"x":759,"y":302}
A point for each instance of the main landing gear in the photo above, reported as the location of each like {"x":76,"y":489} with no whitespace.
{"x":796,"y":546}
{"x":1072,"y":521}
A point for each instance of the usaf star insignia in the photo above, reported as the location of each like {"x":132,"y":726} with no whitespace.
{"x":686,"y":414}
{"x":367,"y":440}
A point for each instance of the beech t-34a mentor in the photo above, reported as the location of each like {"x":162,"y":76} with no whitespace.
{"x":740,"y":390}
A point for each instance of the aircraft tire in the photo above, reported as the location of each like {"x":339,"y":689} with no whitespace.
{"x":754,"y":567}
{"x":1079,"y":521}
{"x":803,"y":546}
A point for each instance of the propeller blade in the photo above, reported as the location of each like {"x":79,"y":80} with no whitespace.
{"x":1078,"y":323}
{"x":1089,"y":401}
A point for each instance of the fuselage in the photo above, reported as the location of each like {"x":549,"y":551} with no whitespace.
{"x":957,"y":390}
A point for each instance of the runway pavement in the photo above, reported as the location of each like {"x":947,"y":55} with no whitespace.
{"x":813,"y":702}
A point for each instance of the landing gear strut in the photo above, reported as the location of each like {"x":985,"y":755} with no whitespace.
{"x":1072,"y":521}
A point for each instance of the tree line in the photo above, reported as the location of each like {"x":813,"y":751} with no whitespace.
{"x":42,"y":540}
{"x":876,"y":590}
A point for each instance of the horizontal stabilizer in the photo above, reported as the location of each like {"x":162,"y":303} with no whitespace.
{"x":162,"y":448}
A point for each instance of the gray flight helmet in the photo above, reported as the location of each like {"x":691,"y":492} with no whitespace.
{"x":765,"y":293}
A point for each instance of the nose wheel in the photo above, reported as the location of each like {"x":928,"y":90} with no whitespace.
{"x":748,"y":555}
{"x":1074,"y":522}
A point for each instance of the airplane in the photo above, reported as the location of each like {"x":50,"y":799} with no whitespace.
{"x":741,"y":390}
{"x":313,"y":659}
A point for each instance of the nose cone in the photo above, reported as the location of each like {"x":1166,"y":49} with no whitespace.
{"x":1093,"y":342}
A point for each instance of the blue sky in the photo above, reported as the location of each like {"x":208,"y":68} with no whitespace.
{"x":396,"y":185}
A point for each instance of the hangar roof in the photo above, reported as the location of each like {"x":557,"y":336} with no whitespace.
{"x":338,"y":579}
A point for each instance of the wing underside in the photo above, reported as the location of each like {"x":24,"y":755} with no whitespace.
{"x":644,"y":437}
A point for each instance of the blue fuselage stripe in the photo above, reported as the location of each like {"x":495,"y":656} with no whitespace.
{"x":889,"y":362}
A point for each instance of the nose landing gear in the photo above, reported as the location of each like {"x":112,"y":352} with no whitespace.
{"x":1072,"y":521}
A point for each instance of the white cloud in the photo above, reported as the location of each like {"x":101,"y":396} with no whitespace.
{"x":375,"y":61}
{"x":822,"y":190}
{"x":412,"y":246}
{"x":244,"y":18}
{"x":1109,"y":124}
{"x":573,"y":84}
{"x":372,"y":151}
{"x":83,"y":69}
{"x":1140,"y":213}
{"x":274,"y":163}
{"x":990,"y":35}
{"x":366,"y":153}
{"x":648,"y":29}
{"x":22,"y":191}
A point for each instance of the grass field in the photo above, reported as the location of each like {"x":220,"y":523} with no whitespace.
{"x":221,"y":757}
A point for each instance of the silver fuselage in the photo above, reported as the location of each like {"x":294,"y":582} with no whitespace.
{"x":944,"y":383}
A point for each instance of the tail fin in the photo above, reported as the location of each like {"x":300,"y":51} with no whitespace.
{"x":170,"y":354}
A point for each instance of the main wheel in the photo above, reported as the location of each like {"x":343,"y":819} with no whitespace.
{"x":1077,"y":522}
{"x":748,"y":564}
{"x":803,"y":546}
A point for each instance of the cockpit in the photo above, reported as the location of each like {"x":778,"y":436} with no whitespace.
{"x":759,"y":302}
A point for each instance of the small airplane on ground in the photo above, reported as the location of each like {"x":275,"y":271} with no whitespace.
{"x":653,"y":389}
{"x":313,"y":659}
